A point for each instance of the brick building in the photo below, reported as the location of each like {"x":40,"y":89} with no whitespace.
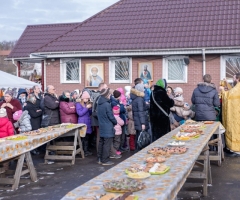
{"x":180,"y":40}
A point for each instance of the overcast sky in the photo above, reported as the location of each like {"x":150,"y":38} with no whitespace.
{"x":15,"y":15}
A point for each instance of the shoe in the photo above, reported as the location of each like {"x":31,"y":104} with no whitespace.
{"x":99,"y":161}
{"x":116,"y":156}
{"x":118,"y":153}
{"x":123,"y":149}
{"x":87,"y":153}
{"x":108,"y":163}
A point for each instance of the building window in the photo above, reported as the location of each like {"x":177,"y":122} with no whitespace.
{"x":175,"y":69}
{"x":120,"y":70}
{"x":230,"y":65}
{"x":70,"y":70}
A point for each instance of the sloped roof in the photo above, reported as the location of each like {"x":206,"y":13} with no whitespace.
{"x":4,"y":52}
{"x":155,"y":24}
{"x":35,"y":36}
{"x":151,"y":24}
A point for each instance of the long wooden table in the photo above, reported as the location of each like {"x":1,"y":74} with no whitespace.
{"x":164,"y":186}
{"x":20,"y":150}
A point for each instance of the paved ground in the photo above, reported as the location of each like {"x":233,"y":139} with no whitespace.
{"x":56,"y":179}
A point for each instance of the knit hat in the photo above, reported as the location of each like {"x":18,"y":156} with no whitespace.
{"x":116,"y":94}
{"x":85,"y":95}
{"x":3,"y":112}
{"x":105,"y":92}
{"x":116,"y":110}
{"x":9,"y":92}
{"x":17,"y":115}
{"x":140,"y":87}
{"x":162,"y":83}
{"x":178,"y":90}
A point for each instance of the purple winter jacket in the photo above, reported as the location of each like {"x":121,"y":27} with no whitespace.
{"x":67,"y":111}
{"x":84,"y":116}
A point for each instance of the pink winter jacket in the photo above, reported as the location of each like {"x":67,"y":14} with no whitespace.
{"x":122,"y":98}
{"x":118,"y":128}
{"x":67,"y":111}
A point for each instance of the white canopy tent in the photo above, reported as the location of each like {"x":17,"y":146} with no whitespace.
{"x":8,"y":80}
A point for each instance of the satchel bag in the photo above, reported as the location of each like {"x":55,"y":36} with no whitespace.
{"x":46,"y":120}
{"x":144,"y":139}
{"x":94,"y":111}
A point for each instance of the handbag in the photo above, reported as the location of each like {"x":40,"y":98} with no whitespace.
{"x":144,"y":139}
{"x":46,"y":120}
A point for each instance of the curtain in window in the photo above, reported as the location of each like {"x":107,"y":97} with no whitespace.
{"x":72,"y":71}
{"x":176,"y":69}
{"x":232,"y":66}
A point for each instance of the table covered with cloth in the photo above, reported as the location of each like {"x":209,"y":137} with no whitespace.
{"x":13,"y":148}
{"x":162,"y":187}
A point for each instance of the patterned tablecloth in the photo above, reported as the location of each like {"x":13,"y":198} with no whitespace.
{"x":12,"y":148}
{"x":162,"y":187}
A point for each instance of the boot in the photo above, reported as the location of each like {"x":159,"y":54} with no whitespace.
{"x":85,"y":146}
{"x":132,"y":142}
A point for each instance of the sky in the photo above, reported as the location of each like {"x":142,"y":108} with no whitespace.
{"x":15,"y":15}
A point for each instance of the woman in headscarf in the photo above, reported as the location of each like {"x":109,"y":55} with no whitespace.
{"x":11,"y":105}
{"x":160,"y":122}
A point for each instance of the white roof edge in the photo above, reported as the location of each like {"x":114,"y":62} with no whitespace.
{"x":161,"y":52}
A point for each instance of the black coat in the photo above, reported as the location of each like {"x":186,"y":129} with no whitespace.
{"x":36,"y":117}
{"x":205,"y":98}
{"x":51,"y":108}
{"x":139,"y":110}
{"x":94,"y":120}
{"x":160,"y":123}
{"x":106,"y":119}
{"x":38,"y":100}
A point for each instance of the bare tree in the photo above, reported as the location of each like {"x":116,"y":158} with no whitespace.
{"x":7,"y":45}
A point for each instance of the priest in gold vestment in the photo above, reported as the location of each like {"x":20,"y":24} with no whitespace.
{"x":231,"y":113}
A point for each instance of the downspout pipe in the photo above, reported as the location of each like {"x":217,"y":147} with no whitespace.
{"x":204,"y":62}
{"x":17,"y":71}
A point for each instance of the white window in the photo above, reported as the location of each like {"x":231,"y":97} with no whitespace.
{"x":230,"y":65}
{"x":70,"y":70}
{"x":120,"y":70}
{"x":175,"y":69}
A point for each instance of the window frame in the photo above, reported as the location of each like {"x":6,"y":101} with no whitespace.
{"x":165,"y":69}
{"x":63,"y":70}
{"x":112,"y":70}
{"x":223,"y":66}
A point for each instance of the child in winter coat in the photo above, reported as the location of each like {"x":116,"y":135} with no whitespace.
{"x":131,"y":129}
{"x":84,"y":112}
{"x":183,"y":112}
{"x":23,"y":121}
{"x":6,"y":127}
{"x":147,"y":91}
{"x":118,"y":132}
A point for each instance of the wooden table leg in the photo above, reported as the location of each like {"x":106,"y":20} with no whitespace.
{"x":31,"y":168}
{"x":206,"y":172}
{"x":74,"y":146}
{"x":46,"y":154}
{"x":18,"y":172}
{"x":80,"y":146}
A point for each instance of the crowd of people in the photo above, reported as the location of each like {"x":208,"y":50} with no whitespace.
{"x":114,"y":118}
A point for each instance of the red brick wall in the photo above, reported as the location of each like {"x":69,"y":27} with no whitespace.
{"x":194,"y":73}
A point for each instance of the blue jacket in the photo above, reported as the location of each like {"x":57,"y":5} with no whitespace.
{"x":147,"y":93}
{"x":205,"y":98}
{"x":106,"y":119}
{"x":115,"y":102}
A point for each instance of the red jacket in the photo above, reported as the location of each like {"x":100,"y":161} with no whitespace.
{"x":67,"y":111}
{"x":6,"y":127}
{"x":16,"y":106}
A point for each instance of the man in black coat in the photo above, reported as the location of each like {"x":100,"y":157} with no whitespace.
{"x":160,"y":122}
{"x":205,"y":98}
{"x":51,"y":106}
{"x":106,"y":122}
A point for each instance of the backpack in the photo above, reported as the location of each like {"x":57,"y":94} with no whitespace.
{"x":94,"y":109}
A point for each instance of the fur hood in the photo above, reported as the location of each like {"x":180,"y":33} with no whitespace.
{"x":137,"y":93}
{"x":206,"y":87}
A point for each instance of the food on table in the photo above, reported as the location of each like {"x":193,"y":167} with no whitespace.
{"x":135,"y":168}
{"x":32,"y":133}
{"x":70,"y":126}
{"x":148,"y":167}
{"x":157,"y":159}
{"x":158,"y":151}
{"x":124,"y":185}
{"x":176,"y":143}
{"x":208,"y":122}
{"x":108,"y":197}
{"x":139,"y":175}
{"x":2,"y":140}
{"x":159,"y":169}
{"x":186,"y":136}
{"x":16,"y":137}
{"x":176,"y":150}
